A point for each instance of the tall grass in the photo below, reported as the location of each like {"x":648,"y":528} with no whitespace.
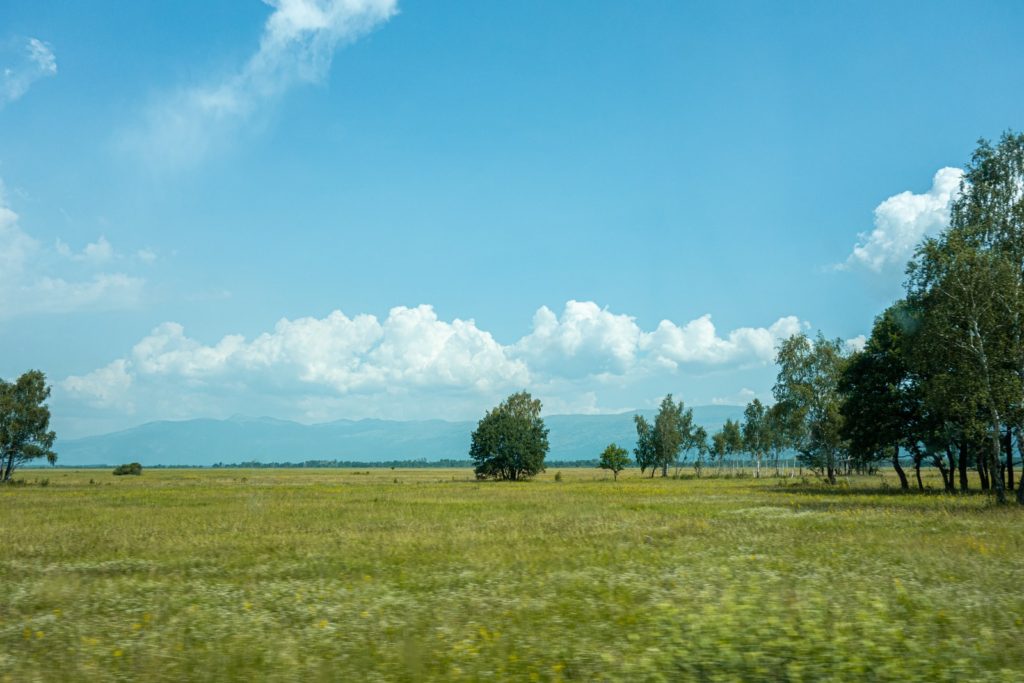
{"x":428,"y":575}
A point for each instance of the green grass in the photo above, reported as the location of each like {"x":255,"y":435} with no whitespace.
{"x":428,"y":575}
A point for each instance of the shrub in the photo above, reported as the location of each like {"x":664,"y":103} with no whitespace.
{"x":131,"y":468}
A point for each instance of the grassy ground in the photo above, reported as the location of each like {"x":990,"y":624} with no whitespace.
{"x":426,"y":574}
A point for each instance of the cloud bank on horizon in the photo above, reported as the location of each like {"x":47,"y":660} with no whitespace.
{"x":32,"y":61}
{"x":902,"y":221}
{"x":296,"y":47}
{"x":411,"y":362}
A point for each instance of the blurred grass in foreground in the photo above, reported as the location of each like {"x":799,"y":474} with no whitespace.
{"x":427,"y":574}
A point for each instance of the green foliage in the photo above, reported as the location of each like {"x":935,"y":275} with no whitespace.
{"x":645,"y":450}
{"x":699,"y":443}
{"x":757,"y":432}
{"x":673,"y":430}
{"x":807,"y":388}
{"x":511,"y":441}
{"x":24,"y":423}
{"x":614,"y":458}
{"x":131,"y":468}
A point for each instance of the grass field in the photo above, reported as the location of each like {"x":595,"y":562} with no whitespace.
{"x":426,"y":574}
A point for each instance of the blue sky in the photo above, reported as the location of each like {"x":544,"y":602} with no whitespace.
{"x":492,"y":196}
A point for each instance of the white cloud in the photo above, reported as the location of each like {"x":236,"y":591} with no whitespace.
{"x":27,"y":287}
{"x":698,"y":342}
{"x":740,"y":398}
{"x":297,"y":45}
{"x":106,"y":387}
{"x":585,"y":340}
{"x":33,"y":60}
{"x":98,"y":252}
{"x":413,"y":363}
{"x":856,"y":343}
{"x":901,"y":221}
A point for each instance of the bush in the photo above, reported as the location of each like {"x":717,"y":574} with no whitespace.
{"x":132,"y":468}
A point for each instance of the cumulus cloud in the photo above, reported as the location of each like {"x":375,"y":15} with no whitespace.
{"x":855,"y":344}
{"x":32,"y":61}
{"x":27,"y":286}
{"x":586,"y":339}
{"x":902,"y":220}
{"x":413,"y":361}
{"x":698,"y":342}
{"x":297,"y":46}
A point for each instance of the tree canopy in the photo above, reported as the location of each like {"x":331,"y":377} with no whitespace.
{"x":511,"y":441}
{"x":24,"y":423}
{"x":614,"y":458}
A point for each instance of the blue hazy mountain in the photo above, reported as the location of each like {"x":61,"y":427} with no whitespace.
{"x":242,"y":439}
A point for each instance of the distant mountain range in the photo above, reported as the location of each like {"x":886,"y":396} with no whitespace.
{"x":244,"y":439}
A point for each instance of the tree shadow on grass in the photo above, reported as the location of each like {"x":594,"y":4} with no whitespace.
{"x":823,"y":496}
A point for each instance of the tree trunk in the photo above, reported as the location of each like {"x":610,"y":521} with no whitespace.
{"x":8,"y":467}
{"x":952,"y":467}
{"x":995,"y":459}
{"x":899,"y":468}
{"x":1008,"y":447}
{"x":917,"y":471}
{"x":962,"y":465}
{"x":947,"y":475}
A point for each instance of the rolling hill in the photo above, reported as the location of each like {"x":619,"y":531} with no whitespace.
{"x":204,"y":442}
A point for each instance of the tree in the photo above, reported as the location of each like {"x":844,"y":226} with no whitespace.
{"x":757,"y":436}
{"x":808,"y":388}
{"x":644,"y":451}
{"x":510,"y":442}
{"x":699,"y":442}
{"x":24,"y":423}
{"x":969,"y":281}
{"x":719,"y":446}
{"x":614,"y":458}
{"x":673,"y":427}
{"x":881,"y":400}
{"x":968,"y":301}
{"x":733,"y":437}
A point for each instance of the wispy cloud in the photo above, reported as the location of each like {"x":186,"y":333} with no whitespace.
{"x":297,"y":46}
{"x":28,"y":284}
{"x":901,"y":221}
{"x":33,"y":59}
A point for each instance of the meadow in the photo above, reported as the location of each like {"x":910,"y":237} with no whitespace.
{"x":285,"y":575}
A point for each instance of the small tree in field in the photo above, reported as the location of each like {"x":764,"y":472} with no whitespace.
{"x":614,"y":458}
{"x":24,"y":423}
{"x":510,"y":442}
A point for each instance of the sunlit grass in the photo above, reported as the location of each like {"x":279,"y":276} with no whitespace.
{"x":427,"y":574}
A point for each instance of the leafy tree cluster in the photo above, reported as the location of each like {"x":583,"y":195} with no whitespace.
{"x":941,"y":378}
{"x":659,"y":445}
